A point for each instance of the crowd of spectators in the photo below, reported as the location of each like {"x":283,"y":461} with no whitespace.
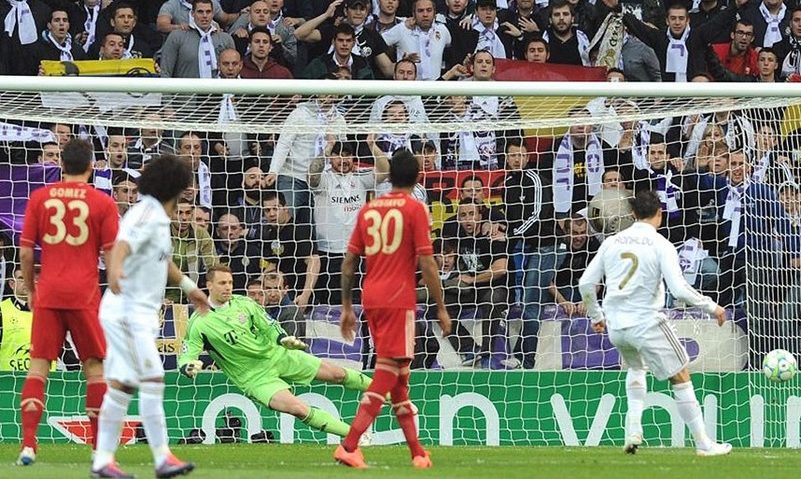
{"x":278,"y":209}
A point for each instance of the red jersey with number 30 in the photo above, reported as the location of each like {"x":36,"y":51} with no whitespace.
{"x":392,"y":231}
{"x":71,"y":222}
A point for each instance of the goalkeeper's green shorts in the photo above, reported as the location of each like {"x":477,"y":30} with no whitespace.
{"x":296,"y":367}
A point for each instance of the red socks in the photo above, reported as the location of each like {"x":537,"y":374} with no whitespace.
{"x":95,"y":390}
{"x":384,"y":380}
{"x":32,"y":407}
{"x":405,"y":412}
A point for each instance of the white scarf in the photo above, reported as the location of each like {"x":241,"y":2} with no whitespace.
{"x":187,"y":4}
{"x":227,"y":109}
{"x":691,"y":255}
{"x":204,"y":185}
{"x":272,"y":24}
{"x":760,"y":172}
{"x":128,"y":52}
{"x":66,"y":49}
{"x":425,"y":44}
{"x":393,"y":142}
{"x":563,"y":176}
{"x":90,"y":25}
{"x":733,"y":211}
{"x":583,"y":46}
{"x":792,"y":61}
{"x":206,"y":56}
{"x":773,"y":34}
{"x":488,"y":38}
{"x":677,"y":55}
{"x":21,"y":16}
{"x":639,"y":150}
{"x":11,"y":132}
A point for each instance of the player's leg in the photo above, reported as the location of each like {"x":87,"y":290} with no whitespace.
{"x":667,"y":359}
{"x":349,"y":378}
{"x":635,"y":388}
{"x":47,"y":339}
{"x":90,"y":344}
{"x":405,"y":412}
{"x":284,"y":401}
{"x":122,"y":376}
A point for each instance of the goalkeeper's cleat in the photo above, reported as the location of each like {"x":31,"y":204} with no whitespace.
{"x":111,"y":470}
{"x":716,"y":449}
{"x":172,"y":466}
{"x":27,"y":456}
{"x":353,"y":459}
{"x":422,"y":462}
{"x":633,"y":442}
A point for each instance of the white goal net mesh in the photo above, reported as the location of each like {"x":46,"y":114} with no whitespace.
{"x":522,"y":190}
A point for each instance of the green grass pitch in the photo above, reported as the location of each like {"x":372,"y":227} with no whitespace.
{"x":459,"y":462}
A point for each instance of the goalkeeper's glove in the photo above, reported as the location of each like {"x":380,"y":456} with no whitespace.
{"x":291,"y":342}
{"x":191,"y":368}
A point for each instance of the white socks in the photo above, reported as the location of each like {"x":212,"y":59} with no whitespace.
{"x":635,"y":398}
{"x":690,"y":412}
{"x":112,"y":414}
{"x":151,"y":411}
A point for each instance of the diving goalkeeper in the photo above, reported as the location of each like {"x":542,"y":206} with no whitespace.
{"x":257,"y":355}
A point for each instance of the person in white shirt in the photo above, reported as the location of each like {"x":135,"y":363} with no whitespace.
{"x":294,"y":151}
{"x":139,"y":269}
{"x":634,"y":264}
{"x":339,"y":193}
{"x":421,"y":40}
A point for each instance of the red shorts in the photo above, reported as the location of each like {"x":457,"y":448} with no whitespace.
{"x":50,"y":328}
{"x":392,"y":330}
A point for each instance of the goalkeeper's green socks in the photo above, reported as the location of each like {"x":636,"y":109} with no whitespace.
{"x":356,"y":380}
{"x":323,"y":421}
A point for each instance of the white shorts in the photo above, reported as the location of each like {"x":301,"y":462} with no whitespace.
{"x":131,"y":354}
{"x":653,"y":346}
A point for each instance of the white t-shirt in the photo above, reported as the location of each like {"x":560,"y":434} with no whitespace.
{"x":337,"y":201}
{"x":634,"y":263}
{"x":429,"y":45}
{"x":146,"y":229}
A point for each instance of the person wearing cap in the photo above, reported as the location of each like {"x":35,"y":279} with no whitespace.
{"x":421,"y":39}
{"x":368,"y":44}
{"x":342,"y":44}
{"x":339,"y":194}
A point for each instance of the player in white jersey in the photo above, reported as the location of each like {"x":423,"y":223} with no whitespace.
{"x":139,"y":270}
{"x":634,"y":264}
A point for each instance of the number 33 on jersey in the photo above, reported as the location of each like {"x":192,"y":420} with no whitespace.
{"x":71,"y":222}
{"x":392,"y":231}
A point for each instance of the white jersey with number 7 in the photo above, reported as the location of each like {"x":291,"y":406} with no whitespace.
{"x":634,"y":263}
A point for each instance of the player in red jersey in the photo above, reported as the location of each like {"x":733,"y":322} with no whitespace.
{"x":393,"y":233}
{"x":71,"y":221}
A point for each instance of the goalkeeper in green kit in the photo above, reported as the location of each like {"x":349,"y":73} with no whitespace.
{"x":257,"y":355}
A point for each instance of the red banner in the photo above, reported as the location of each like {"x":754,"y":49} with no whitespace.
{"x":516,"y":70}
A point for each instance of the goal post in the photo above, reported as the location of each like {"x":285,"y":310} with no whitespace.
{"x":523,"y":181}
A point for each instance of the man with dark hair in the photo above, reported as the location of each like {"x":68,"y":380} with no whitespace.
{"x":393,"y":233}
{"x":56,"y":44}
{"x":739,"y":55}
{"x":634,"y":264}
{"x":289,"y":248}
{"x":341,"y":56}
{"x":177,"y":15}
{"x":568,"y":44}
{"x":258,"y":63}
{"x":368,"y":44}
{"x":788,"y":50}
{"x":536,"y":51}
{"x":71,"y":222}
{"x":139,"y":268}
{"x":112,"y":47}
{"x":24,"y":21}
{"x":233,"y":249}
{"x":192,"y":248}
{"x":192,"y":51}
{"x":269,"y":15}
{"x":140,"y":40}
{"x":125,"y":191}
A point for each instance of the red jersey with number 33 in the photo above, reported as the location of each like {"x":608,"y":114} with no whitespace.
{"x":391,"y":231}
{"x":71,"y":222}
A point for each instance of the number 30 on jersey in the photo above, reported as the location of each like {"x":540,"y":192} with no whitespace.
{"x":385,"y":232}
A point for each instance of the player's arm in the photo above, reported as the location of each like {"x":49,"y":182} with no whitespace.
{"x":432,"y":280}
{"x":381,"y":159}
{"x":347,"y":322}
{"x":26,"y":263}
{"x":176,"y":278}
{"x":271,"y":329}
{"x":114,"y":261}
{"x":191,"y":347}
{"x":681,"y":290}
{"x":587,"y":287}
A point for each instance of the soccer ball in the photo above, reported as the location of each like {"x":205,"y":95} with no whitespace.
{"x":779,"y":366}
{"x":609,"y":212}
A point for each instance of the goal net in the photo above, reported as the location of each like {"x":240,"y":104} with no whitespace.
{"x":523,"y":182}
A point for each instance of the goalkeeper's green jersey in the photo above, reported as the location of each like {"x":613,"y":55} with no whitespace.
{"x":240,"y":337}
